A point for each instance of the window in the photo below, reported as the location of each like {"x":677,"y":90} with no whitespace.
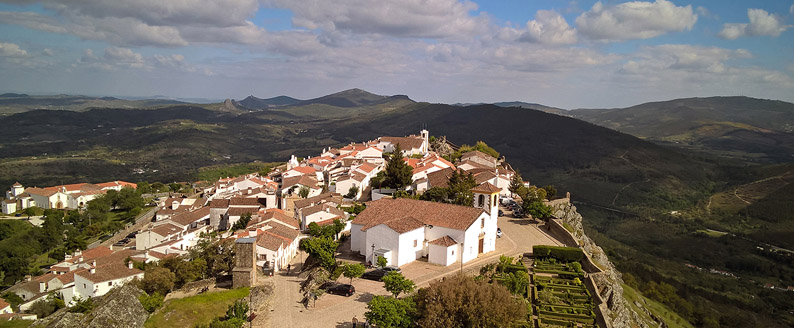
{"x":482,"y":200}
{"x":415,"y":242}
{"x":453,"y":252}
{"x":110,"y":283}
{"x":482,"y":223}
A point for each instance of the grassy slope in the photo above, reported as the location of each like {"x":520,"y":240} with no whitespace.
{"x":669,"y":317}
{"x":15,"y":323}
{"x":199,"y":309}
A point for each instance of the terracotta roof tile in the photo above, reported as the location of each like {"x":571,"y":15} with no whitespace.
{"x":269,"y":241}
{"x":486,"y":188}
{"x":242,"y":201}
{"x":239,"y":211}
{"x":111,"y":271}
{"x":188,"y":218}
{"x":324,"y":197}
{"x":166,"y":229}
{"x":445,"y":241}
{"x":430,"y":213}
{"x":219,"y":203}
{"x":406,"y":143}
{"x":304,"y":180}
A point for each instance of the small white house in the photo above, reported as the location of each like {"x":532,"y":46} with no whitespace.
{"x":97,"y":281}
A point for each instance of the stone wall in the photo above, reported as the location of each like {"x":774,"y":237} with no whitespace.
{"x":607,"y":284}
{"x":244,"y":272}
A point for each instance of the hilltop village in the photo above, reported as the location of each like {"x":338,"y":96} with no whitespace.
{"x":352,"y":191}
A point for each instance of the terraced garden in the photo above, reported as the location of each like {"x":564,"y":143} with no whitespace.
{"x":559,"y":297}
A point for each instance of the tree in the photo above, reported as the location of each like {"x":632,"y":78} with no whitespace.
{"x":156,"y":279}
{"x":387,"y":312}
{"x":517,"y":282}
{"x":516,"y":183}
{"x":321,"y":248}
{"x":381,"y":262}
{"x":398,"y":173}
{"x":550,"y":191}
{"x":218,"y":254}
{"x":174,"y":187}
{"x":352,"y":192}
{"x":460,"y":301}
{"x":30,"y":211}
{"x":82,"y":305}
{"x":303,"y":192}
{"x":537,"y":209}
{"x":396,"y":283}
{"x":242,"y":223}
{"x":354,"y":270}
{"x":144,"y":188}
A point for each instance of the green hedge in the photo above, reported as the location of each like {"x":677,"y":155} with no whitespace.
{"x":567,"y":254}
{"x":552,"y":321}
{"x":566,"y":316}
{"x":512,"y":268}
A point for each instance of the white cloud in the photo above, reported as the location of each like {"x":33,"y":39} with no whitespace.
{"x":400,"y":18}
{"x":635,"y":20}
{"x":11,"y":50}
{"x":147,"y":22}
{"x":124,"y":57}
{"x":761,"y":23}
{"x":547,"y":27}
{"x":791,"y":9}
{"x":47,"y":52}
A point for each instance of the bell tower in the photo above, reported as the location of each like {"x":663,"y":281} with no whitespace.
{"x":486,"y":197}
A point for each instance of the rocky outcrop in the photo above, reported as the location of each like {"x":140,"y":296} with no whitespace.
{"x":119,"y":308}
{"x":617,"y":312}
{"x":441,"y":146}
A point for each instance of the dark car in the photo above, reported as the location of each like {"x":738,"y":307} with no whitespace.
{"x":518,"y":214}
{"x":341,"y":289}
{"x":379,"y":273}
{"x":501,"y":213}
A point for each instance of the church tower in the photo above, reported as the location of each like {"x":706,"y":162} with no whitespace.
{"x":486,"y":196}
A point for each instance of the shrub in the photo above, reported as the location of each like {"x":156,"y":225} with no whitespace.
{"x":566,"y":254}
{"x":151,"y":303}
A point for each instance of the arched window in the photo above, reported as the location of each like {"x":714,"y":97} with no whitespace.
{"x":482,"y":200}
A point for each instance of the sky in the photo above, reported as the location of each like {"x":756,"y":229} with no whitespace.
{"x":568,"y":54}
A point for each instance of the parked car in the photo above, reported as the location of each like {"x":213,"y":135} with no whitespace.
{"x":132,"y":234}
{"x":379,"y":273}
{"x":341,"y":289}
{"x":498,"y":232}
{"x":501,"y":213}
{"x":519,"y":214}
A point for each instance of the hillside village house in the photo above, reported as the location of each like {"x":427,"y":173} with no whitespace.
{"x":410,"y":145}
{"x":72,"y":196}
{"x":89,"y":273}
{"x":403,"y":230}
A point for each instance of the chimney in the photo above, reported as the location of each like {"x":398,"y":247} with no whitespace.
{"x":27,"y":277}
{"x":80,"y":259}
{"x":252,"y":233}
{"x":92,"y":270}
{"x":42,"y":287}
{"x":327,"y":210}
{"x":129,"y":264}
{"x":93,"y":263}
{"x":174,"y":205}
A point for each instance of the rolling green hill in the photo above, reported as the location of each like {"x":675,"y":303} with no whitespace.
{"x":748,"y":128}
{"x":11,"y":103}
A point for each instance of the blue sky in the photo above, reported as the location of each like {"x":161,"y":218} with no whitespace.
{"x":570,"y":54}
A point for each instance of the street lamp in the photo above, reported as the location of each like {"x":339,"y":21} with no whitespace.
{"x":461,"y":258}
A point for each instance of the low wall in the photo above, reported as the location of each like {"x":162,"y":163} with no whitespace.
{"x":600,"y":303}
{"x":560,"y":233}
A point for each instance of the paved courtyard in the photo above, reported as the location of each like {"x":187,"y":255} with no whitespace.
{"x":519,"y":235}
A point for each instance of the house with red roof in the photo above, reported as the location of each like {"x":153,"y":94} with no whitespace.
{"x":403,"y":230}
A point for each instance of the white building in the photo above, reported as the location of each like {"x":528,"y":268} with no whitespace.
{"x":98,"y":280}
{"x":403,"y":230}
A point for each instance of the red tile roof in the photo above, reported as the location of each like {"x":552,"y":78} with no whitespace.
{"x":219,"y":203}
{"x":431,"y":213}
{"x":445,"y":241}
{"x":304,"y":180}
{"x":110,"y":271}
{"x":242,"y":201}
{"x":486,"y":188}
{"x":190,"y":217}
{"x":239,"y":211}
{"x":304,"y":170}
{"x":166,"y":229}
{"x":406,"y":143}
